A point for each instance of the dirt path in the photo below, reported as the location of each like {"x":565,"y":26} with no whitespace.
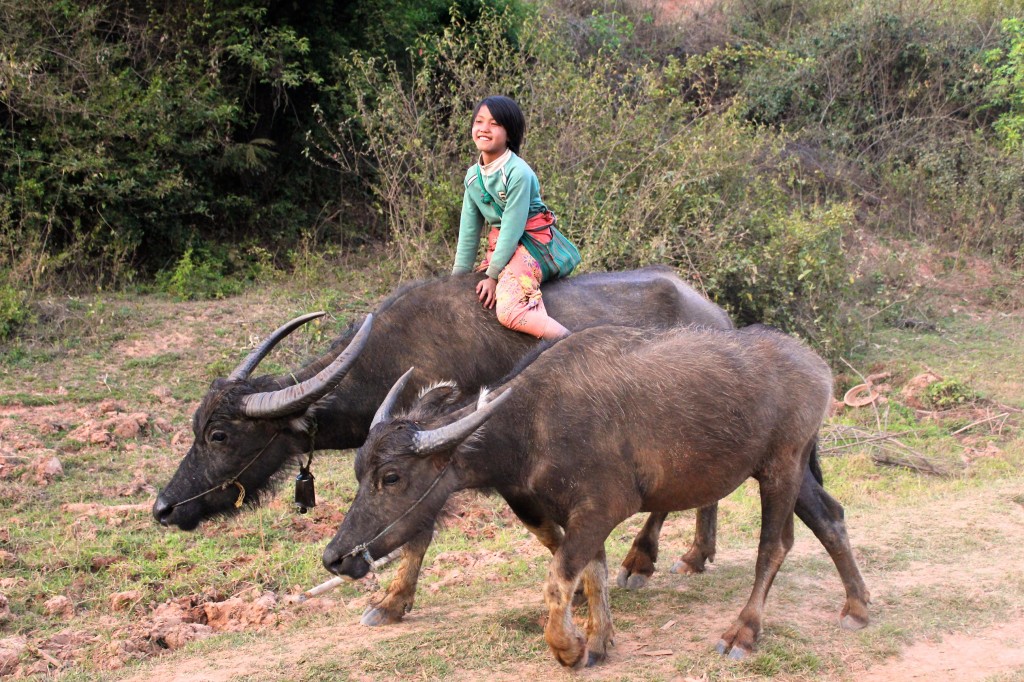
{"x":670,"y":644}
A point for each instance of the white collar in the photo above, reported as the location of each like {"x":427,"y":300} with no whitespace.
{"x":496,"y":165}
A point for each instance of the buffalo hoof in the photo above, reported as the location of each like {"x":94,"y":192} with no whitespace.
{"x":852,"y":622}
{"x":575,"y":656}
{"x":736,"y":653}
{"x":685,"y":568}
{"x":637,"y":581}
{"x":374,"y":617}
{"x":593,"y":658}
{"x":631,"y":581}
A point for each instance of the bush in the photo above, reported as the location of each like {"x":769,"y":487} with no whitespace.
{"x":641,"y":164}
{"x":14,"y":310}
{"x":197,"y":275}
{"x":948,"y":394}
{"x":916,"y":109}
{"x":128,"y":131}
{"x":1005,"y":90}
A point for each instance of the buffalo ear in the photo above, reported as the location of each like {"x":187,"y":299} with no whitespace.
{"x":437,"y":400}
{"x":302,"y":424}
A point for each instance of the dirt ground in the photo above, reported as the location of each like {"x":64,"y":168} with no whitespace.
{"x":975,"y":653}
{"x":952,"y":609}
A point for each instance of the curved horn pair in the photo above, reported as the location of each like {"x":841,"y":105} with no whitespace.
{"x":429,"y":442}
{"x":297,"y":398}
{"x":246,"y":367}
{"x":384,"y":411}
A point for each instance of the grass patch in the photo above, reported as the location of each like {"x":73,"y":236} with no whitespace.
{"x":904,"y":526}
{"x":497,"y":644}
{"x":153,"y":362}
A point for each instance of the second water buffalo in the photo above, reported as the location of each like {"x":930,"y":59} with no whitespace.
{"x":607,"y":423}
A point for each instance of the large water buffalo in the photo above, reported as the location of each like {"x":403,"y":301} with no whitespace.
{"x":607,"y":423}
{"x":247,"y":429}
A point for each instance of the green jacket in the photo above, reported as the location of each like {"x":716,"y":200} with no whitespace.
{"x":515,"y":187}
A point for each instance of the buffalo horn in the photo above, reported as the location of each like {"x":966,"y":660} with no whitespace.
{"x":297,"y":398}
{"x":384,"y":411}
{"x":429,"y":442}
{"x":243,"y":370}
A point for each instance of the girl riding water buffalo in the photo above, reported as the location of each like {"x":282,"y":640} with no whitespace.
{"x":523,"y":246}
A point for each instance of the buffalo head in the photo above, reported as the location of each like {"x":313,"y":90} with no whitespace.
{"x":405,"y":472}
{"x":243,"y":435}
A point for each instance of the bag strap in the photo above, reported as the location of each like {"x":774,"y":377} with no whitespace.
{"x":485,"y":196}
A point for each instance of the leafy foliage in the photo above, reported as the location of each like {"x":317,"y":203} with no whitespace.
{"x":197,"y":276}
{"x":897,"y":102}
{"x":740,"y":147}
{"x":634,"y":159}
{"x":129,"y":133}
{"x":14,"y":310}
{"x":1006,"y":89}
{"x":949,"y":393}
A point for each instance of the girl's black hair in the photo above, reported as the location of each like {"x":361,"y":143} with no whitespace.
{"x":509,"y":116}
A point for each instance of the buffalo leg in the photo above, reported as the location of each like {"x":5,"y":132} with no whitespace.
{"x":549,"y":534}
{"x":575,"y":555}
{"x":638,"y":566}
{"x":778,"y":499}
{"x":599,"y":621}
{"x":703,"y":547}
{"x":824,"y":516}
{"x":594,"y":589}
{"x":398,"y":599}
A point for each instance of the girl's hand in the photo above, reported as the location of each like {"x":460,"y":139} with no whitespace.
{"x":486,"y":291}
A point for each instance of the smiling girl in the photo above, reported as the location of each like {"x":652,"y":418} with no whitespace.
{"x":503,"y":192}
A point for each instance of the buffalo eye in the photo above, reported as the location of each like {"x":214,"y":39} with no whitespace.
{"x":218,"y":436}
{"x":390,"y":479}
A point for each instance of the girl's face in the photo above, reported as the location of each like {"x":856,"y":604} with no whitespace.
{"x":489,"y":136}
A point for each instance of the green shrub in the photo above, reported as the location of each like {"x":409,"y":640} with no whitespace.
{"x":14,"y":310}
{"x":127,"y":129}
{"x":641,"y":163}
{"x":1005,"y":90}
{"x":906,"y":108}
{"x":197,"y":275}
{"x":949,"y":393}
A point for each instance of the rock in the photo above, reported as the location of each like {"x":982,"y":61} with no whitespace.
{"x":47,"y":468}
{"x":173,"y":628}
{"x":7,"y":558}
{"x":11,"y":649}
{"x":913,"y":391}
{"x":177,"y":636}
{"x":43,"y":470}
{"x":120,"y":601}
{"x":67,"y":645}
{"x":59,"y":606}
{"x":130,"y":425}
{"x":234,"y":614}
{"x":89,"y":432}
{"x":109,"y":406}
{"x":162,"y":425}
{"x":5,"y":609}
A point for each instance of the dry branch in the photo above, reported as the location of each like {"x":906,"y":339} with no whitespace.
{"x":886,"y":449}
{"x":329,"y":585}
{"x":90,"y":509}
{"x":1002,"y":416}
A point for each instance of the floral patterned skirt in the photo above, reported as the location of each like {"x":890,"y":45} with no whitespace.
{"x":519,"y":306}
